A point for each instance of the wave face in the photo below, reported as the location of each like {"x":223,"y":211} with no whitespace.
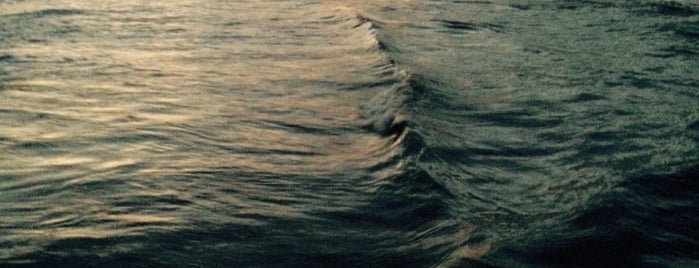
{"x":533,"y":133}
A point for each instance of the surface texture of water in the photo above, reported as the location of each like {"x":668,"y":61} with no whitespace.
{"x":536,"y":133}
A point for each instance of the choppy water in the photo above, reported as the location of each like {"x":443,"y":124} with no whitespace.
{"x":349,"y":133}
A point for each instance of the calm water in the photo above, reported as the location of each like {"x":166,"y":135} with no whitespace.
{"x":294,"y":133}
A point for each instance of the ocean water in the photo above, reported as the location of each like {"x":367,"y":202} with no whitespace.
{"x":342,"y":133}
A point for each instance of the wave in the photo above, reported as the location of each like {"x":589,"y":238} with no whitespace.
{"x":643,"y":222}
{"x":348,"y":134}
{"x":311,"y":159}
{"x":515,"y":160}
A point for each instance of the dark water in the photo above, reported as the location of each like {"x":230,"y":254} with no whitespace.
{"x":533,"y":133}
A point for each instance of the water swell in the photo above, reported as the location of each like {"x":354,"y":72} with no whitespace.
{"x":268,"y":186}
{"x":629,"y":226}
{"x":412,"y":199}
{"x":516,"y":160}
{"x":316,"y":133}
{"x":47,"y":25}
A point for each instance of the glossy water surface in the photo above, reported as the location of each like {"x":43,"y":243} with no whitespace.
{"x":294,"y":133}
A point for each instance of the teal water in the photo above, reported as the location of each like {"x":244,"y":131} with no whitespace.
{"x":295,"y":133}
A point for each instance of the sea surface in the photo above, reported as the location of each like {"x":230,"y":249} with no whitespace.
{"x":349,"y":133}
